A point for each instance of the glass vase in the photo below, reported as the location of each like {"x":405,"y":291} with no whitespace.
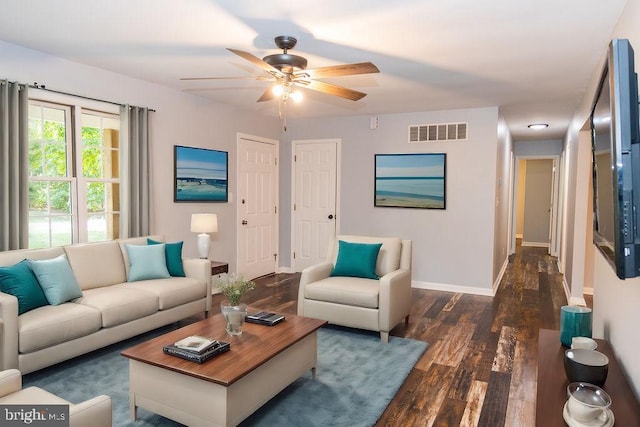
{"x":234,"y":316}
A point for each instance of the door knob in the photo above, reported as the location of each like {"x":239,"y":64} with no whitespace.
{"x":330,"y":217}
{"x":244,"y":222}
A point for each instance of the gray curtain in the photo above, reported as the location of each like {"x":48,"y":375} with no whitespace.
{"x":135,"y":199}
{"x":14,"y":166}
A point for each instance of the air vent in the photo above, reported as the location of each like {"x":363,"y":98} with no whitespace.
{"x":438,"y":132}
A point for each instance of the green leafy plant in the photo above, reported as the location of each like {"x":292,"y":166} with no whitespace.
{"x":234,"y":286}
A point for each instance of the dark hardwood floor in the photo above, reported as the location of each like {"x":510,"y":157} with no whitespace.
{"x":480,"y":368}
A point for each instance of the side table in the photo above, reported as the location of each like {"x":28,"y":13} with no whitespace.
{"x":218,"y":267}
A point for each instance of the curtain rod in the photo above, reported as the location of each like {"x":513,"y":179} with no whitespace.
{"x":42,"y":87}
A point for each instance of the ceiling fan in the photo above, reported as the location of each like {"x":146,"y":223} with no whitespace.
{"x":288,"y":71}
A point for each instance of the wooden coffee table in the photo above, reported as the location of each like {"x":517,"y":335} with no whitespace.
{"x":229,"y":387}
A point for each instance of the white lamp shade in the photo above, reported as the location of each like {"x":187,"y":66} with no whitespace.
{"x":204,"y":223}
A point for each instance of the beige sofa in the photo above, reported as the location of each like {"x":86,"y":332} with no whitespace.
{"x":110,"y":309}
{"x":95,"y":412}
{"x":365,"y":303}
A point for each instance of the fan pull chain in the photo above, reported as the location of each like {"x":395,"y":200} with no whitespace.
{"x":282,"y":112}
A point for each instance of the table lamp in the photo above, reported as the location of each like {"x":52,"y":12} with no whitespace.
{"x":204,"y":224}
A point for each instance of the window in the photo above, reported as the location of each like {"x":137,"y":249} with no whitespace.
{"x":74,"y":175}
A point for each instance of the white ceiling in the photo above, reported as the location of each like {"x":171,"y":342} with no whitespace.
{"x":532,"y":58}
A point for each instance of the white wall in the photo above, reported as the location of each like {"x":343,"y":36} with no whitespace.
{"x":615,"y":314}
{"x":542,"y":147}
{"x":180,"y":119}
{"x":503,"y":191}
{"x":452,"y":247}
{"x":615,"y":301}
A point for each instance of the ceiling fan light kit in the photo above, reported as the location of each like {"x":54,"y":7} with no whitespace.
{"x":288,"y":71}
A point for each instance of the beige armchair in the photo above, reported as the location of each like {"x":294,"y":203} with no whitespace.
{"x":364,"y":303}
{"x":94,"y":412}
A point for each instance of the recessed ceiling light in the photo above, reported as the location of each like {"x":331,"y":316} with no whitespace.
{"x":538,"y":126}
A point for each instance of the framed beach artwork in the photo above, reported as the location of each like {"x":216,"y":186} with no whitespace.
{"x":200,"y":175}
{"x":410,"y":180}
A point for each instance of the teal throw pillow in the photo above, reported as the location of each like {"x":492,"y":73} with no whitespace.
{"x":18,"y":280}
{"x":56,"y":279}
{"x":173,"y":255}
{"x":356,"y":260}
{"x":147,"y":262}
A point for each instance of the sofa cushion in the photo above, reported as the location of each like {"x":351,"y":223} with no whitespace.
{"x":15,"y":256}
{"x":173,"y":257}
{"x":119,"y":303}
{"x":147,"y":262}
{"x":56,"y":279}
{"x":345,"y":290}
{"x":388,"y":257}
{"x":18,"y":280}
{"x":54,"y":324}
{"x":356,"y":260}
{"x":96,"y":264}
{"x":174,"y":291}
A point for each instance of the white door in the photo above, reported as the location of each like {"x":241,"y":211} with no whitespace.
{"x":314,"y":201}
{"x":553,"y":217}
{"x":538,"y":198}
{"x":257,"y":206}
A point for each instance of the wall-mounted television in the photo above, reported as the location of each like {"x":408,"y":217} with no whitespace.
{"x":616,"y":161}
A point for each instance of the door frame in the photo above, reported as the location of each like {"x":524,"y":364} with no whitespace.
{"x":338,"y":216}
{"x":276,"y":234}
{"x":554,"y":215}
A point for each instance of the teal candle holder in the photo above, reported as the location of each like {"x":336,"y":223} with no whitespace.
{"x":575,"y":321}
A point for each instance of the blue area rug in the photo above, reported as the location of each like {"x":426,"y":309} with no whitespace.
{"x":357,"y":376}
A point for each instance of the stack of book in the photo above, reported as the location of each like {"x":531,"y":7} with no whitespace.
{"x":196,"y":349}
{"x":264,"y":318}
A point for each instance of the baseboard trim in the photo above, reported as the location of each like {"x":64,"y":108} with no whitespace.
{"x":577,"y":301}
{"x":496,"y":283}
{"x":536,"y":244}
{"x":572,"y":300}
{"x":285,"y":270}
{"x":452,"y":288}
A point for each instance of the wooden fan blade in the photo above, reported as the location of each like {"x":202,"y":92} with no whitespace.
{"x":330,"y":89}
{"x":339,"y":70}
{"x":263,"y":78}
{"x":257,"y":61}
{"x":267,"y":95}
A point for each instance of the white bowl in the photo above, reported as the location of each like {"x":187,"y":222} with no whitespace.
{"x":584,"y":342}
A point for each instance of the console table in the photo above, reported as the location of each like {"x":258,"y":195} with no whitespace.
{"x":552,"y":384}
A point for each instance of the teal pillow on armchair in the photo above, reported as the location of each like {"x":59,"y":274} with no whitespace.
{"x":357,"y":260}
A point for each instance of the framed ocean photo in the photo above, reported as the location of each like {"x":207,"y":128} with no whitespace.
{"x":200,"y":175}
{"x":410,"y":180}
